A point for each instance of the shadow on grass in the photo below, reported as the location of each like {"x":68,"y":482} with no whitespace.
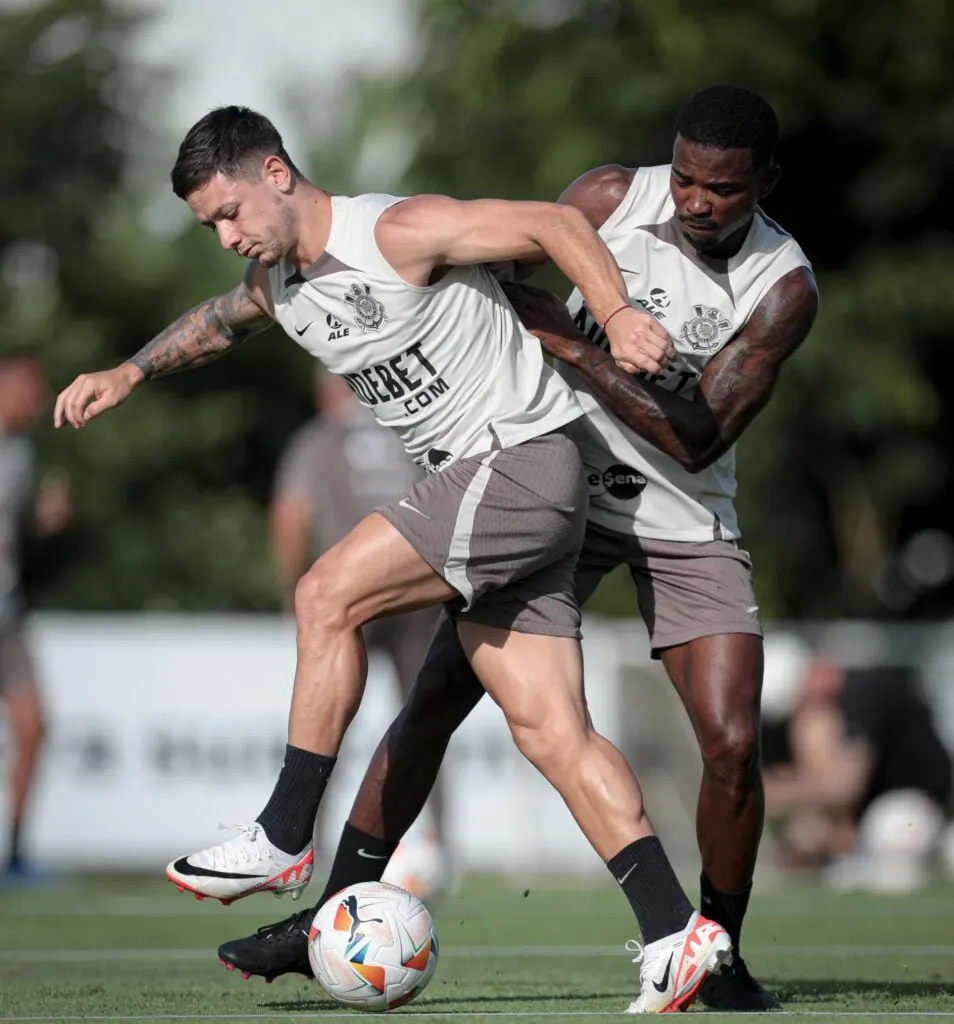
{"x":437,"y":1002}
{"x":790,"y":992}
{"x":804,"y":990}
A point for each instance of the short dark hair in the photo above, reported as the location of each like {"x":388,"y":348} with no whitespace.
{"x":730,"y":117}
{"x":228,"y":140}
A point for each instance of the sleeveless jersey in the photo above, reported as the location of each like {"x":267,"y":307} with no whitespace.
{"x":448,"y":366}
{"x":703,"y":303}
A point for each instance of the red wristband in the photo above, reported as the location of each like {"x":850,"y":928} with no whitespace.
{"x":610,"y":317}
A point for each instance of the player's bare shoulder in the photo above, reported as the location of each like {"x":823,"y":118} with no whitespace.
{"x":598,"y":192}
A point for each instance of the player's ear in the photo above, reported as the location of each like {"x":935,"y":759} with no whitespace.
{"x":769,"y":179}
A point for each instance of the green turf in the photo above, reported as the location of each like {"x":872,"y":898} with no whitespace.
{"x":112,"y":948}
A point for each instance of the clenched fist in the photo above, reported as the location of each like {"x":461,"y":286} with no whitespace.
{"x":639,"y":342}
{"x":93,"y":393}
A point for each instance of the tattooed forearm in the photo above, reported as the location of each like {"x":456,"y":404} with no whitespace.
{"x":735,"y":385}
{"x":204,"y":333}
{"x":687,"y":431}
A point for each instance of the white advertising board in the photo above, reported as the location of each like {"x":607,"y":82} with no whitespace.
{"x":163,"y":727}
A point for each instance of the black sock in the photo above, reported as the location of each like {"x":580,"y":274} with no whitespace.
{"x":646,"y":876}
{"x":728,"y":908}
{"x":289,"y":815}
{"x":360,"y":857}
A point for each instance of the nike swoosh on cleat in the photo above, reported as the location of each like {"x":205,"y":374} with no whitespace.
{"x":661,"y":986}
{"x":183,"y":867}
{"x":371,"y":856}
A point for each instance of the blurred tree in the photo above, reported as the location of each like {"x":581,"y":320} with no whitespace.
{"x":170,"y":490}
{"x":517,"y":98}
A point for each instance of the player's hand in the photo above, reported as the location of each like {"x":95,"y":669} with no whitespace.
{"x":638,"y":342}
{"x":93,"y":393}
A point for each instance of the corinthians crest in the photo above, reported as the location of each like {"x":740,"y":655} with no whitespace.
{"x":704,"y":331}
{"x":368,"y":312}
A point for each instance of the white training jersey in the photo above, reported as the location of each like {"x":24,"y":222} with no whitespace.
{"x":448,"y":366}
{"x":703,"y":303}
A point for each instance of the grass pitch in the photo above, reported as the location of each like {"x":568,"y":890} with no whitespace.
{"x":127,"y":949}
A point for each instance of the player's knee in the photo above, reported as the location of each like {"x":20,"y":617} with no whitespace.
{"x":730,"y":751}
{"x":317,"y":605}
{"x":547,"y":744}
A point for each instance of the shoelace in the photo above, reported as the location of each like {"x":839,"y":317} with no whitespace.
{"x":632,"y":946}
{"x":238,"y":850}
{"x":289,"y":925}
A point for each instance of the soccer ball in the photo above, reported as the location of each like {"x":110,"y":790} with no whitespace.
{"x":373,"y":946}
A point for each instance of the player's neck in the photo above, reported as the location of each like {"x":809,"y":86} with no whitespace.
{"x":728,"y":248}
{"x":314,"y":225}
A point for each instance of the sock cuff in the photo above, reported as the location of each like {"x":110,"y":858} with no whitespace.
{"x":373,"y":845}
{"x":629,"y":855}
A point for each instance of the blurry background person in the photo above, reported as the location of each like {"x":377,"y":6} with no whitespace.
{"x":857,"y":780}
{"x":24,"y":397}
{"x":334,"y":470}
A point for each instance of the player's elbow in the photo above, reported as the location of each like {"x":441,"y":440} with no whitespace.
{"x":695,"y":460}
{"x":547,"y":221}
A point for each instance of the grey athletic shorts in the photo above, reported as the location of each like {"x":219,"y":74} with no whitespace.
{"x":686,"y":590}
{"x":504,"y":528}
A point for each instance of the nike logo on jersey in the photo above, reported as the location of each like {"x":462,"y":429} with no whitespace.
{"x":183,"y":867}
{"x":362,"y":852}
{"x":661,"y":986}
{"x":404,"y":504}
{"x":301,"y":330}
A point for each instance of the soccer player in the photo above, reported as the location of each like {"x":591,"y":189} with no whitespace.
{"x":494,"y":530}
{"x":737,"y":295}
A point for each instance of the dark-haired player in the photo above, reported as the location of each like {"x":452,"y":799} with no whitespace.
{"x":737,"y":296}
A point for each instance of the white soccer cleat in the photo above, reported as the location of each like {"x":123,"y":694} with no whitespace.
{"x":244,"y":864}
{"x":674,"y":967}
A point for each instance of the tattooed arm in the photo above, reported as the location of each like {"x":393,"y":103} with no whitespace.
{"x":210,"y":329}
{"x":206,"y":332}
{"x":735,"y":385}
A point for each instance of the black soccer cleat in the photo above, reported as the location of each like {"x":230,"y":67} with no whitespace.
{"x":276,"y":949}
{"x":736,"y":990}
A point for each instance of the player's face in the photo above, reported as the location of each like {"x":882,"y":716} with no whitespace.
{"x":716,"y":192}
{"x":253,"y":218}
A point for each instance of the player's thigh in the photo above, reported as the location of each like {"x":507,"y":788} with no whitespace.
{"x":535,"y":678}
{"x":719,"y":679}
{"x":372,"y":571}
